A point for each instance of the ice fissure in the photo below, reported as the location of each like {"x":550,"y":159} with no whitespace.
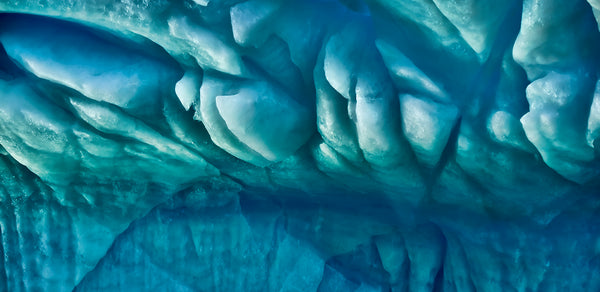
{"x":322,"y":145}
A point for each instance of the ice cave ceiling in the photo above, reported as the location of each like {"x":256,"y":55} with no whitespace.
{"x":299,"y":145}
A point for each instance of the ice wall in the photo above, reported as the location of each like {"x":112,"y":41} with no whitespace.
{"x":322,"y":145}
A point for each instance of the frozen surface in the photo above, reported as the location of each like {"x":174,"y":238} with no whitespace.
{"x":300,"y":145}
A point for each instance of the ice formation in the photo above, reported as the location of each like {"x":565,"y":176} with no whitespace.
{"x":299,"y":145}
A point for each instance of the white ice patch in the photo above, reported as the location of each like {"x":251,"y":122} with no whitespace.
{"x":202,"y":2}
{"x":188,"y":89}
{"x":250,"y":21}
{"x":205,"y":46}
{"x":593,"y":129}
{"x":427,"y":126}
{"x":405,"y":74}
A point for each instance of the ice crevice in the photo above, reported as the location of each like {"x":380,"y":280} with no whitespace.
{"x":268,"y":145}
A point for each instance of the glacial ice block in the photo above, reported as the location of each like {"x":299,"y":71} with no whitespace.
{"x":300,"y":145}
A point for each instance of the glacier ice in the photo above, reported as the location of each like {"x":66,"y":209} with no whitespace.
{"x":299,"y":145}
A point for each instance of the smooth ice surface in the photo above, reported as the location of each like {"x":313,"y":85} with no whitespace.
{"x":299,"y":145}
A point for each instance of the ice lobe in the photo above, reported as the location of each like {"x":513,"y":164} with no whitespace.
{"x":98,"y":69}
{"x":427,"y":126}
{"x":253,"y":120}
{"x":250,"y":19}
{"x":479,"y":22}
{"x":555,"y":126}
{"x":407,"y":76}
{"x":563,"y":79}
{"x":266,"y":120}
{"x":193,"y":38}
{"x":188,"y":89}
{"x":359,"y":75}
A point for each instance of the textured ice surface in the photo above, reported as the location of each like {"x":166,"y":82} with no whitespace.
{"x":299,"y":145}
